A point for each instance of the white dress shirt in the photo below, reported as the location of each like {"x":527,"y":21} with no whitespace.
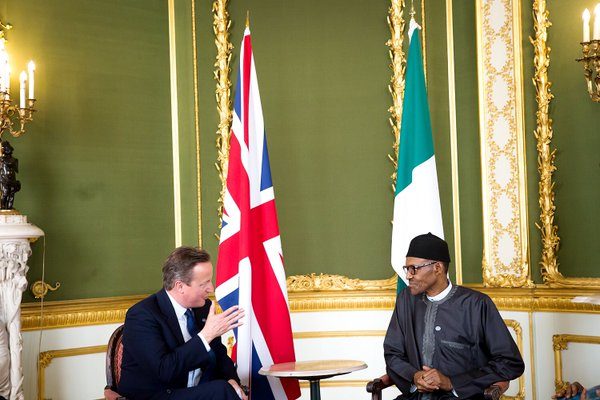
{"x":193,"y":376}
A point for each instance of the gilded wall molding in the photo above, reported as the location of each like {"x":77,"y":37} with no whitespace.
{"x":395,"y":20}
{"x":561,"y":343}
{"x":46,"y":357}
{"x":221,"y":25}
{"x":516,"y":327}
{"x":506,"y":258}
{"x":546,"y":156}
{"x":111,"y":310}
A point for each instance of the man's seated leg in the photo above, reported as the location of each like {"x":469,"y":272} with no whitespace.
{"x":213,"y":390}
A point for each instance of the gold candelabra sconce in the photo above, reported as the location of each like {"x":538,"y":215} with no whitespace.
{"x":39,"y":289}
{"x":591,"y":68}
{"x":591,"y":53}
{"x":13,"y":117}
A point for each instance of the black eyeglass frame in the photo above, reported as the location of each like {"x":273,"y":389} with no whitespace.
{"x":415,"y":268}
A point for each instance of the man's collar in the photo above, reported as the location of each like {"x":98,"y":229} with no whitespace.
{"x":179,"y":309}
{"x":442,"y":294}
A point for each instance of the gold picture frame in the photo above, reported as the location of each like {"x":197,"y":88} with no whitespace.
{"x":546,"y":155}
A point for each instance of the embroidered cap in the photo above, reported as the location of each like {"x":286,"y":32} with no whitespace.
{"x":429,"y":247}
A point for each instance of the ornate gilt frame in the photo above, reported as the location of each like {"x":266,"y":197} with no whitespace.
{"x":560,"y":343}
{"x":546,"y":155}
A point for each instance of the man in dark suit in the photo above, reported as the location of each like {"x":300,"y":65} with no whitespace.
{"x":171,"y":340}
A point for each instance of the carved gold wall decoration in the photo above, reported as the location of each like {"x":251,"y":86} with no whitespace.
{"x":560,"y":343}
{"x":221,"y":25}
{"x":506,"y":248}
{"x":396,"y":23}
{"x":546,"y":155}
{"x":46,"y":357}
{"x":321,"y":282}
{"x":111,"y":310}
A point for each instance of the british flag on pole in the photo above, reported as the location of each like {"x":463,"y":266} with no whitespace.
{"x":250,"y":269}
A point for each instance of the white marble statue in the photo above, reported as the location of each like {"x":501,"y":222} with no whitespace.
{"x":13,"y":281}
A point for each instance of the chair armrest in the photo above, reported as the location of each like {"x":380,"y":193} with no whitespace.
{"x":378,"y":384}
{"x":494,"y":391}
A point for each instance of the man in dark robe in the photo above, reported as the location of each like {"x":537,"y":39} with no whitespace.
{"x":445,"y":341}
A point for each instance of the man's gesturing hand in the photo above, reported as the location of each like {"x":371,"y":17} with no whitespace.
{"x":218,"y":324}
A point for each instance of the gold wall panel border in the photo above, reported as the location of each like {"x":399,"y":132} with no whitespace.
{"x":546,"y":155}
{"x":111,"y":310}
{"x":337,"y":334}
{"x":516,"y":327}
{"x":501,"y":119}
{"x":338,"y":383}
{"x":46,"y":357}
{"x":560,"y":343}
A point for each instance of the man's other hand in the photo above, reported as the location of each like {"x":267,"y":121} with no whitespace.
{"x":218,"y":324}
{"x":238,"y":389}
{"x":435,"y":378}
{"x":570,"y":390}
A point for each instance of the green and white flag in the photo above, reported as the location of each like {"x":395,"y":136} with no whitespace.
{"x":417,"y":201}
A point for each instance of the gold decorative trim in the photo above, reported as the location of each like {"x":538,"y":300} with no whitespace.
{"x":560,"y":343}
{"x":335,"y":334}
{"x":516,"y":326}
{"x":546,"y":155}
{"x":326,"y":282}
{"x":111,"y":310}
{"x":505,"y":262}
{"x":197,"y":124}
{"x":46,"y":357}
{"x":221,"y":25}
{"x":396,"y":23}
{"x":532,"y":356}
{"x":174,"y":124}
{"x":453,"y":143}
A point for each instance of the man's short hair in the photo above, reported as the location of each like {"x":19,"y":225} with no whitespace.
{"x":180,"y":263}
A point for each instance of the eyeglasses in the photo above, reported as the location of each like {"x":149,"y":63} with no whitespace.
{"x":414,"y":268}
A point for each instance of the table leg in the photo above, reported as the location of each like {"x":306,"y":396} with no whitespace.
{"x":315,"y":390}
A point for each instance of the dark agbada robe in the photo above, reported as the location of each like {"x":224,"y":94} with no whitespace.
{"x":463,"y":336}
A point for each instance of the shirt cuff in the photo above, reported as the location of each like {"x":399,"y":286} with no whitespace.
{"x":454,"y":393}
{"x":413,"y":388}
{"x":206,"y":345}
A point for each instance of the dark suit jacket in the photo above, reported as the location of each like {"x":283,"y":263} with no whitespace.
{"x":155,"y":356}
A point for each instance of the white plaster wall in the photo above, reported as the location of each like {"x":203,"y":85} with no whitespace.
{"x":579,"y":361}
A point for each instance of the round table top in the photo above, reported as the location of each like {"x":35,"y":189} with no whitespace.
{"x":313,"y":369}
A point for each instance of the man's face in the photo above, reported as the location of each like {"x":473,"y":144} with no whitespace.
{"x":423,"y":278}
{"x":195,"y":294}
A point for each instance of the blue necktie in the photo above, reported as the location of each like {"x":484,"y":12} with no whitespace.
{"x":193,"y":330}
{"x":191,"y":323}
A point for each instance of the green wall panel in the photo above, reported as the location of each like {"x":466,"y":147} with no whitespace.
{"x":95,"y":165}
{"x":323,"y":74}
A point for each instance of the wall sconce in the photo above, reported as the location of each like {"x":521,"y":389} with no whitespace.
{"x":12,"y":119}
{"x":591,"y":53}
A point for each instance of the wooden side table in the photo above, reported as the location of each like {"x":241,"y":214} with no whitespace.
{"x":313,"y":371}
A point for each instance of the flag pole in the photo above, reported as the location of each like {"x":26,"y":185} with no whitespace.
{"x":247,"y":18}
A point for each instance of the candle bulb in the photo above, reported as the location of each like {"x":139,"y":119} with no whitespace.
{"x":586,"y":25}
{"x":596,"y":35}
{"x":31,"y":68}
{"x":23,"y":79}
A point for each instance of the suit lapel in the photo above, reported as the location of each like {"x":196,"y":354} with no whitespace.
{"x":164,"y":303}
{"x":201,"y":313}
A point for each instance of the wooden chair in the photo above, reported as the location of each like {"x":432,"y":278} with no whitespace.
{"x":114,"y":356}
{"x":375,"y":387}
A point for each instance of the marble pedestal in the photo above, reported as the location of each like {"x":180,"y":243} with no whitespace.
{"x":15,"y":235}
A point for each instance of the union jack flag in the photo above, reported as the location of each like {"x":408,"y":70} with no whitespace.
{"x":250,"y":269}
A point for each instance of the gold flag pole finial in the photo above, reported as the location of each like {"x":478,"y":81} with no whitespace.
{"x":412,"y":9}
{"x":247,"y":18}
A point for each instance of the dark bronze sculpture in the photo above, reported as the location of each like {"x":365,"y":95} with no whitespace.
{"x":9,"y":185}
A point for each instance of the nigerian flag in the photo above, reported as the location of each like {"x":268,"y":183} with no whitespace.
{"x":417,"y":201}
